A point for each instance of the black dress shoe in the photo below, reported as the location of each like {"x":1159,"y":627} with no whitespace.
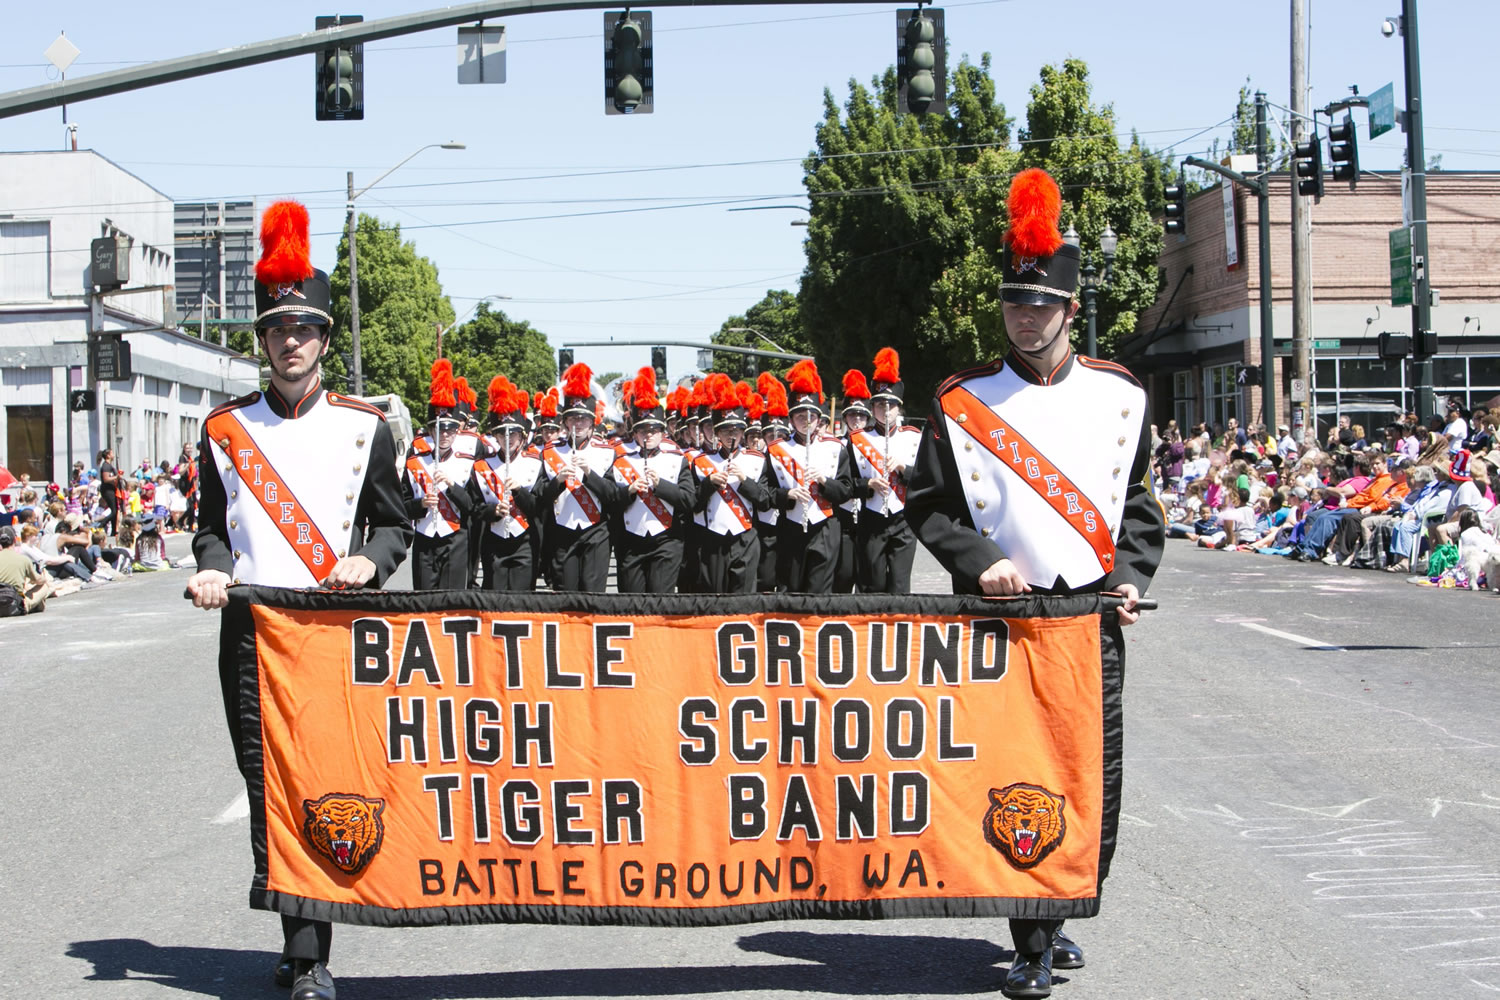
{"x":1065,"y":952}
{"x":285,"y":974}
{"x":313,"y":982}
{"x":1030,"y":976}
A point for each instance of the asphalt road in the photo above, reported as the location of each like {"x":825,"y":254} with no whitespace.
{"x":1311,"y":808}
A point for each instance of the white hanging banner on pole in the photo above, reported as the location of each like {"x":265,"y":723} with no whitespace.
{"x":481,"y":54}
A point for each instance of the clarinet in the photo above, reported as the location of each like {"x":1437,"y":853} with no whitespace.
{"x":807,"y":504}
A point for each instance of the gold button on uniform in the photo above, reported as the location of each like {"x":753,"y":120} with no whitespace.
{"x":346,"y":524}
{"x":236,"y":553}
{"x":1122,"y":441}
{"x":229,"y":469}
{"x":357,"y":466}
{"x":341,"y":553}
{"x":1117,"y":472}
{"x":985,"y":532}
{"x":1125,"y":412}
{"x":1114,"y":497}
{"x":974,"y":476}
{"x":224,"y":443}
{"x":963,"y":418}
{"x":360,"y":441}
{"x":968,"y":446}
{"x":233,"y":494}
{"x":349,"y":497}
{"x":979,"y":504}
{"x":234,"y":524}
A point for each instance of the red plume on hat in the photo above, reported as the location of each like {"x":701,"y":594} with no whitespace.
{"x":546,"y":406}
{"x":578,"y":380}
{"x":887,"y":365}
{"x":742,"y":393}
{"x":627,"y":393}
{"x":285,"y":254}
{"x":757,"y":407}
{"x":804,"y":378}
{"x":776,"y":399}
{"x":718,"y":391}
{"x":855,"y":386}
{"x":763,"y":384}
{"x":644,"y":396}
{"x":442,"y":397}
{"x":1035,"y":208}
{"x":500,"y":396}
{"x":463,"y":393}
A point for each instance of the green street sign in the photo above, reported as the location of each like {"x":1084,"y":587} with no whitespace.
{"x":1382,"y":111}
{"x":1327,"y":345}
{"x":1401,"y":270}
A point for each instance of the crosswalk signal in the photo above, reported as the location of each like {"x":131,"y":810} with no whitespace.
{"x":1343,"y":151}
{"x":1309,"y":158}
{"x":920,"y":62}
{"x":340,"y":75}
{"x":83,"y":400}
{"x":564,"y":359}
{"x":627,"y":62}
{"x":1175,"y":212}
{"x":659,"y":362}
{"x":1248,"y":375}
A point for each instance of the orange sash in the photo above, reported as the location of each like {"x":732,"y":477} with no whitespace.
{"x":580,"y":492}
{"x":782,"y":453}
{"x":284,"y":510}
{"x":489,"y":478}
{"x":651,"y":500}
{"x":1000,"y":439}
{"x":423,"y":480}
{"x":706,"y":466}
{"x":877,"y":462}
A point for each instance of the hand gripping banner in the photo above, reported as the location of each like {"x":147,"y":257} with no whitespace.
{"x":468,"y":757}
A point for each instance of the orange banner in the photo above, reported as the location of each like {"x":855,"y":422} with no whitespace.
{"x":474,"y":757}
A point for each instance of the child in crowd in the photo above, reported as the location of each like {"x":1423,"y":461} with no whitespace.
{"x":151,"y":547}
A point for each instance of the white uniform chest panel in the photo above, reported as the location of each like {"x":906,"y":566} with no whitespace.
{"x":309,"y":471}
{"x":567,"y":511}
{"x":719,"y":515}
{"x":639,"y":518}
{"x":899,"y":450}
{"x":1088,"y":427}
{"x":495,"y":473}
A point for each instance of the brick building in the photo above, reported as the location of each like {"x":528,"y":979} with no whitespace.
{"x":1206,"y":321}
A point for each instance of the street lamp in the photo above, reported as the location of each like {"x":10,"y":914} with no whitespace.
{"x":444,"y":329}
{"x":1092,"y":282}
{"x":751,"y":329}
{"x":357,"y":381}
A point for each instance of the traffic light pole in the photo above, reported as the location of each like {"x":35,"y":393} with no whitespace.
{"x":1416,"y":164}
{"x":356,"y":376}
{"x":1261,"y":185}
{"x":696,"y":345}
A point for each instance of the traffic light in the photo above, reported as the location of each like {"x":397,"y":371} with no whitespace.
{"x":340,"y":75}
{"x":83,"y":400}
{"x":627,"y":62}
{"x":1248,"y":375}
{"x":1309,"y":159}
{"x":920,"y":68}
{"x":1175,"y":212}
{"x":1395,"y":345}
{"x":564,"y":359}
{"x":659,"y":362}
{"x":1343,"y":151}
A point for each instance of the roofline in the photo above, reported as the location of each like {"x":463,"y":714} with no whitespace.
{"x":92,"y":152}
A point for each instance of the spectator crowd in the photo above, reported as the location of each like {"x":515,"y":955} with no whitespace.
{"x":1410,"y":498}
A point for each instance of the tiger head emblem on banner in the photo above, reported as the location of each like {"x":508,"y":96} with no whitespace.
{"x":345,"y":829}
{"x":1025,"y":823}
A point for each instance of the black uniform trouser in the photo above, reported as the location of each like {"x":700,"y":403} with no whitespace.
{"x":887,"y":547}
{"x":580,"y":559}
{"x":440,"y":563}
{"x":766,"y":577}
{"x":507,"y":561}
{"x":805,"y":559}
{"x":687,"y":573}
{"x":1031,"y":937}
{"x":301,"y":938}
{"x":845,"y":565}
{"x":727,"y":564}
{"x":648,"y":564}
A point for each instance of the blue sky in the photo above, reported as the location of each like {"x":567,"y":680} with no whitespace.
{"x":738,"y":93}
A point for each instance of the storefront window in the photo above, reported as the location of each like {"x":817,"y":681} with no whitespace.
{"x":1182,"y":401}
{"x":1221,"y":395}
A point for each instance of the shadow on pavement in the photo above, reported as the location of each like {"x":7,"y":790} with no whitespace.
{"x":850,"y":964}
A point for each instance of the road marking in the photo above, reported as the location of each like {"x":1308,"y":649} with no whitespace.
{"x":237,"y":810}
{"x":1301,"y":640}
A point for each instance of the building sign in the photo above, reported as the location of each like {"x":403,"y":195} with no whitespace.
{"x":1401,"y":267}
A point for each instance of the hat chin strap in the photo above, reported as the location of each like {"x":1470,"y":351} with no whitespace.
{"x":1042,"y":352}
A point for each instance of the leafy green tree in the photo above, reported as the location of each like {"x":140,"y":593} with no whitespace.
{"x":778,"y":318}
{"x":493,"y":344}
{"x":401,"y":308}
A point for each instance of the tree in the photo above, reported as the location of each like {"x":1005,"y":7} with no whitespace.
{"x":401,"y":307}
{"x":493,"y":344}
{"x":777,"y":317}
{"x":885,"y":226}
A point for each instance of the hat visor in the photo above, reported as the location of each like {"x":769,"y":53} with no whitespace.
{"x":292,"y":319}
{"x":1030,"y":297}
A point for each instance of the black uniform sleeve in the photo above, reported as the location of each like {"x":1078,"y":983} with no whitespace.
{"x":858,"y":484}
{"x":211,"y":546}
{"x":1143,"y":527}
{"x":380,"y":513}
{"x":937,"y":513}
{"x":528,"y":498}
{"x":411,"y":505}
{"x":550,"y":489}
{"x":678,"y":492}
{"x":484,"y":513}
{"x":756,"y":491}
{"x":703,"y":491}
{"x":459,"y":496}
{"x":606,"y":489}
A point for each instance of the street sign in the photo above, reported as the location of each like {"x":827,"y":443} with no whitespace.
{"x":111,"y":359}
{"x":1299,"y":390}
{"x":1382,"y":111}
{"x":481,"y":54}
{"x":1401,"y":269}
{"x":1327,"y":345}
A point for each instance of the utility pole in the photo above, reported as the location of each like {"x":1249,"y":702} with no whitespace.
{"x":1416,"y":164}
{"x":356,"y":377}
{"x":1263,"y":210}
{"x":1302,"y":304}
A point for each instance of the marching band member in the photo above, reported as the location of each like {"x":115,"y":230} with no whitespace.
{"x":504,"y":488}
{"x":812,"y":477}
{"x":577,"y":492}
{"x":691,"y":402}
{"x":656,"y":488}
{"x":435,"y":482}
{"x":1033,"y":475}
{"x":731,"y":485}
{"x":855,"y":417}
{"x":333,"y":460}
{"x":881,"y":457}
{"x":774,"y":428}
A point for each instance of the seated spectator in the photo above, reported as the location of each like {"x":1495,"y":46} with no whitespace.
{"x":151,"y":548}
{"x":59,"y":565}
{"x":1318,"y":526}
{"x":1196,"y":466}
{"x":1236,"y":523}
{"x":1429,"y":502}
{"x":1359,"y":443}
{"x":1456,"y":430}
{"x":117,"y":559}
{"x":73,"y":540}
{"x":18,"y":571}
{"x":1465,"y":496}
